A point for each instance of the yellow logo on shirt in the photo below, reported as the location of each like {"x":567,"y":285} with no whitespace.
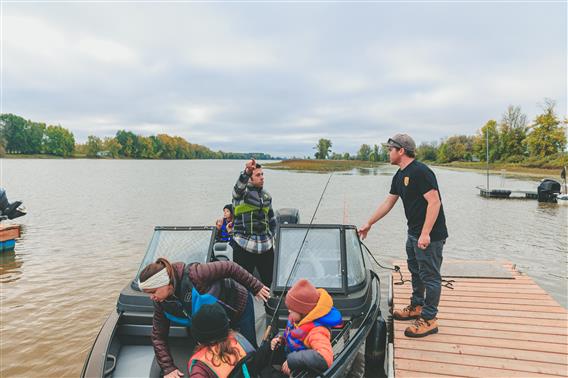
{"x":406,"y":180}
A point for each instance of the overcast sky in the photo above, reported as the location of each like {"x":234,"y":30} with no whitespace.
{"x":276,"y":77}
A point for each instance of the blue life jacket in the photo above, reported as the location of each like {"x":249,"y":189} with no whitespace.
{"x":295,"y":336}
{"x":224,"y":235}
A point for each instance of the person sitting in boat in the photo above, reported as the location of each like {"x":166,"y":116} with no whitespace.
{"x":307,"y":338}
{"x":225,"y":225}
{"x":220,"y":351}
{"x":178,"y":289}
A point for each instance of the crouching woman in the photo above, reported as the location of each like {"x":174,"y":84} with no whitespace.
{"x":179,"y":289}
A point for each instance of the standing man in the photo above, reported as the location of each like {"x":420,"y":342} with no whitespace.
{"x":416,"y":184}
{"x":254,"y":223}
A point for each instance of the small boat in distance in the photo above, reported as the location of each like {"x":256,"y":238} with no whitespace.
{"x":9,"y":232}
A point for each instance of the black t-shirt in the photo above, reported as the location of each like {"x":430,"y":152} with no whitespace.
{"x":411,"y":183}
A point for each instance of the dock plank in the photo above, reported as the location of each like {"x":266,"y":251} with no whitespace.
{"x":486,"y":351}
{"x":420,"y":367}
{"x":488,"y":327}
{"x":482,"y":361}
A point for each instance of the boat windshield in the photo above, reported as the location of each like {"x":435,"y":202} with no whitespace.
{"x":320,"y":259}
{"x":185,"y":245}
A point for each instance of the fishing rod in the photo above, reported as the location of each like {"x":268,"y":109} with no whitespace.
{"x":294,"y":265}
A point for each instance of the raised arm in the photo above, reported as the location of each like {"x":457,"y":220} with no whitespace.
{"x":244,"y":177}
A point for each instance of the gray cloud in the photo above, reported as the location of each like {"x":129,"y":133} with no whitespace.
{"x":277,"y":77}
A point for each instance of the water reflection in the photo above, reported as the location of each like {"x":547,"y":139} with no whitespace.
{"x":548,"y":208}
{"x":10,"y":267}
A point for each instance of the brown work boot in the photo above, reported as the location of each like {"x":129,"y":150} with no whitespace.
{"x":421,"y":328}
{"x":407,"y":313}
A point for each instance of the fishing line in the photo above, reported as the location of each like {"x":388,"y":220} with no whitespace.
{"x":269,"y":328}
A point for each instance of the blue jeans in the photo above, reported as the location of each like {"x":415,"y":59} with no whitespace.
{"x":424,"y":265}
{"x":246,"y":324}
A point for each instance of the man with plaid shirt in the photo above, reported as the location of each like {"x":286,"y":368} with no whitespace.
{"x":254,"y":223}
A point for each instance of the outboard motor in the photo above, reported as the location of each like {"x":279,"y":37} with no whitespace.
{"x":288,"y":216}
{"x":548,"y":190}
{"x":10,"y":210}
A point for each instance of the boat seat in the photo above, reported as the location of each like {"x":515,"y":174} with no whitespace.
{"x":181,"y":350}
{"x":134,"y":361}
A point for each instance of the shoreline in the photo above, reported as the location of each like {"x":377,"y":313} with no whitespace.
{"x":347,"y":165}
{"x":324,"y":166}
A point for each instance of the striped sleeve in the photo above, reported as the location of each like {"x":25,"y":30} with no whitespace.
{"x":240,"y":186}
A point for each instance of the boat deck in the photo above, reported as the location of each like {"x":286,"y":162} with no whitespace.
{"x":488,"y":327}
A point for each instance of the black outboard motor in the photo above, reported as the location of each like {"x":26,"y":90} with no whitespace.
{"x":10,"y":210}
{"x":288,"y":216}
{"x":548,"y":190}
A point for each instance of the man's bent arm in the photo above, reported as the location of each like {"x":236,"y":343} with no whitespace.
{"x":432,"y":211}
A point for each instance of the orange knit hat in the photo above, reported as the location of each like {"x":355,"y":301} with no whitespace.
{"x":302,"y":297}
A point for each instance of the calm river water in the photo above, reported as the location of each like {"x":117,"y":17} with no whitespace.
{"x":89,"y":222}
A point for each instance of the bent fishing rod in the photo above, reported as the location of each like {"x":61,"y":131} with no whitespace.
{"x":294,"y":265}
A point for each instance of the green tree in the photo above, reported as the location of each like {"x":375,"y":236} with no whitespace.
{"x":427,"y":151}
{"x":128,"y":143}
{"x":375,"y":156}
{"x":112,"y":146}
{"x":14,"y":132}
{"x":383,"y":153}
{"x":323,"y":149}
{"x":34,"y":133}
{"x":346,"y":156}
{"x":94,"y":145}
{"x":145,"y":148}
{"x":479,"y":143}
{"x":456,"y":148}
{"x":547,"y":136}
{"x":59,"y":141}
{"x":512,"y":134}
{"x":364,"y":152}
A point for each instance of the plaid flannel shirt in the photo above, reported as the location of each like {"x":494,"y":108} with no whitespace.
{"x":253,"y":231}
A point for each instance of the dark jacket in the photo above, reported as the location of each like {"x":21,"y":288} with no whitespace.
{"x":223,"y":279}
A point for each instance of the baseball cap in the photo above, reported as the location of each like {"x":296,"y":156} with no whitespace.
{"x":401,"y":141}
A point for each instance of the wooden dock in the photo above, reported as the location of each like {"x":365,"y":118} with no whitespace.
{"x":488,"y":327}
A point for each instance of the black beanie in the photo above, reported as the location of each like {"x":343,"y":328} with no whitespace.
{"x":229,"y":207}
{"x":210,"y":324}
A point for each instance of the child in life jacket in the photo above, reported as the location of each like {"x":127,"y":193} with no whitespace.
{"x":307,"y":337}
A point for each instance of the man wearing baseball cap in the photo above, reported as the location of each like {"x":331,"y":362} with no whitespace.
{"x":416,"y":184}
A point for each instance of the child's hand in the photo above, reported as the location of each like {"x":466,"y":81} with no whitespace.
{"x":275,"y":343}
{"x":285,"y":369}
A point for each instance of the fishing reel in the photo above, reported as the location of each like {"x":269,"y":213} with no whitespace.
{"x":10,"y":210}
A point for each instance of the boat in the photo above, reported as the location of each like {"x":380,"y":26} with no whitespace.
{"x":331,"y":257}
{"x":8,"y":211}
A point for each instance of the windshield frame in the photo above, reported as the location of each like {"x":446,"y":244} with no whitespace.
{"x":344,"y":289}
{"x":157,"y":229}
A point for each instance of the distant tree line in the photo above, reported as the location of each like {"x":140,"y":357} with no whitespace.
{"x":541,"y":143}
{"x":21,"y":136}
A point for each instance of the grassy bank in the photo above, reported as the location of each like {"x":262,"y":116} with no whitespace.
{"x":321,"y":165}
{"x":347,"y":165}
{"x":509,"y":168}
{"x":40,"y":156}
